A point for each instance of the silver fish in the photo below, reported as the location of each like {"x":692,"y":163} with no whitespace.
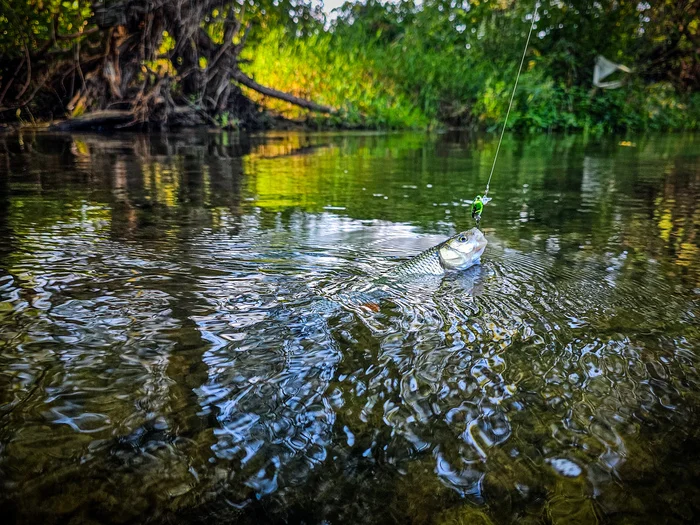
{"x":459,"y":252}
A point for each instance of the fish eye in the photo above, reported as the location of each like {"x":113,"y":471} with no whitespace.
{"x":462,"y":238}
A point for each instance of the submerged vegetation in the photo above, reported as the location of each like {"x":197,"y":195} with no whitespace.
{"x":401,"y":64}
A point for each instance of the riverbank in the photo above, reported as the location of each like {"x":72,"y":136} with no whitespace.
{"x":636,"y":109}
{"x":123,"y":120}
{"x":373,"y":65}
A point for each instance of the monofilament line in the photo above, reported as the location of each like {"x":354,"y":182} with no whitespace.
{"x":512,"y":96}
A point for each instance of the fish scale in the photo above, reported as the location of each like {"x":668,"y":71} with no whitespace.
{"x":427,"y":262}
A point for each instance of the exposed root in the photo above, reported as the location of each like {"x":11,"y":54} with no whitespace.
{"x":131,"y":76}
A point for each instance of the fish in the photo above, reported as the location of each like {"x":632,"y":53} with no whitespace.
{"x":459,"y":252}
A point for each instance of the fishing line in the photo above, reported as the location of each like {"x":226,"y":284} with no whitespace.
{"x":479,"y":201}
{"x":512,"y":96}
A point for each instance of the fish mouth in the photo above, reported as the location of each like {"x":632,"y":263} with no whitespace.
{"x":481,"y":244}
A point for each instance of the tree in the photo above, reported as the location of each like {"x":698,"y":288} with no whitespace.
{"x":137,"y":61}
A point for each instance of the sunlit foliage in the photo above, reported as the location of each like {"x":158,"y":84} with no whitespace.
{"x":454,"y":63}
{"x":433,"y":63}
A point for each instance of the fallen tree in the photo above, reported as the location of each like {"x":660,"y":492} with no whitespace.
{"x":139,"y":63}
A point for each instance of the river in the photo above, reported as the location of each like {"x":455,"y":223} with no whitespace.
{"x":180,"y":340}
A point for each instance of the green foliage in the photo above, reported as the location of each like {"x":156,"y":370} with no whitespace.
{"x":454,"y":63}
{"x":316,"y":67}
{"x":28,"y":24}
{"x":436,"y":63}
{"x":226,"y":120}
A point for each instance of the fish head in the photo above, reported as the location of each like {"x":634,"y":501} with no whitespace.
{"x":463,"y":250}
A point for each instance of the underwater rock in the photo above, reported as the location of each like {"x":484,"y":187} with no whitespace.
{"x":419,"y":495}
{"x":565,"y":467}
{"x":565,"y":510}
{"x":464,"y":515}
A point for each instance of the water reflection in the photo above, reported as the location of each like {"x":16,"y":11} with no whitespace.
{"x":193,"y":328}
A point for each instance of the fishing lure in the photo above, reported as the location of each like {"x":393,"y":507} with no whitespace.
{"x":477,"y":208}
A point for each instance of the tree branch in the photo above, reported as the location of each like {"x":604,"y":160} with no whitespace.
{"x":11,"y":81}
{"x":104,"y":118}
{"x":29,"y":73}
{"x":244,"y":79}
{"x":239,"y":47}
{"x":233,"y":28}
{"x":78,"y":34}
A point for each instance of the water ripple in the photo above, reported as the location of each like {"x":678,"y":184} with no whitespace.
{"x":231,"y":355}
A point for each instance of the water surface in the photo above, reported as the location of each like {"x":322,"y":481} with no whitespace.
{"x":185,"y":335}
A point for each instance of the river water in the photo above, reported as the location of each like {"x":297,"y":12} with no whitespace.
{"x":181,"y":339}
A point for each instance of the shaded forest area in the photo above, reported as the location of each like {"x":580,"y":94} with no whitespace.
{"x":401,"y":64}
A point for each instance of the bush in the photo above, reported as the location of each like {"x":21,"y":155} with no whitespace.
{"x":394,"y":65}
